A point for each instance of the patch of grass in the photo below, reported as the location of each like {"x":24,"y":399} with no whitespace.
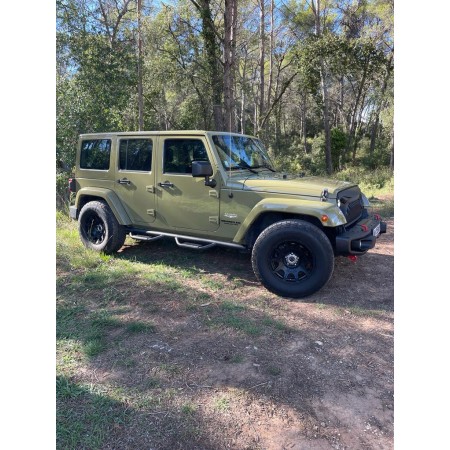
{"x":231,"y":306}
{"x":236,"y":359}
{"x":189,"y":409}
{"x":83,"y":418}
{"x":65,"y":388}
{"x":152,"y":383}
{"x":95,"y":346}
{"x":140,"y":327}
{"x":212,"y":283}
{"x":321,"y":306}
{"x":234,"y":315}
{"x":277,"y":324}
{"x":105,"y":321}
{"x":221,"y":404}
{"x":243,"y":324}
{"x":170,"y":369}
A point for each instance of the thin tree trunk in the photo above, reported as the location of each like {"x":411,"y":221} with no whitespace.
{"x":140,"y":89}
{"x":326,"y":122}
{"x":315,"y":6}
{"x":262,"y":36}
{"x":230,"y":22}
{"x":305,"y":147}
{"x":373,"y":133}
{"x":391,"y":162}
{"x":269,"y":88}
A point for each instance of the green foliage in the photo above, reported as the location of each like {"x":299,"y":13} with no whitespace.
{"x":96,"y":80}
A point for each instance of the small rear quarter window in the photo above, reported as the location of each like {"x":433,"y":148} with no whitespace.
{"x":95,"y":154}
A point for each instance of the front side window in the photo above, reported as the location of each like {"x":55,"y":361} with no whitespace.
{"x":95,"y":154}
{"x":179,"y":154}
{"x":135,"y":154}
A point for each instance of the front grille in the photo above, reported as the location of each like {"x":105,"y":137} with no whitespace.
{"x":351,"y":204}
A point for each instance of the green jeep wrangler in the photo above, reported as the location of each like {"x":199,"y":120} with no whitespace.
{"x":207,"y":188}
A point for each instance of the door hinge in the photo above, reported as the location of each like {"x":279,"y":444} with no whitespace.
{"x":213,"y":193}
{"x":214,"y":219}
{"x":151,"y":212}
{"x":150,"y":189}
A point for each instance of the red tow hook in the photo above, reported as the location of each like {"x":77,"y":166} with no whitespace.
{"x":377,"y":217}
{"x":364,"y":228}
{"x":352,"y":258}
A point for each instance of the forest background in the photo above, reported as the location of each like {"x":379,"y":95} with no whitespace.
{"x":312,"y":78}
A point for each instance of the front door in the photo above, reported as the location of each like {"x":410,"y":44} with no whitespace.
{"x":135,"y":178}
{"x":184,"y":202}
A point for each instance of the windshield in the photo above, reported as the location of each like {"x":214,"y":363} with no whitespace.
{"x":241,"y":152}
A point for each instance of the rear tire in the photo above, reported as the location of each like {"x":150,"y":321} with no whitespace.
{"x":99,"y":229}
{"x":293,"y":258}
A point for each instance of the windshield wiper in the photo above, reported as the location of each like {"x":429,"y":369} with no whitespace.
{"x":265,"y":166}
{"x":244,"y":165}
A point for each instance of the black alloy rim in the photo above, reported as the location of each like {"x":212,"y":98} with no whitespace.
{"x":94,"y":229}
{"x":291,"y":262}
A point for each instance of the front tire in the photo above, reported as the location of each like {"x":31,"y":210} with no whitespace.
{"x":99,"y":229}
{"x":293,"y":258}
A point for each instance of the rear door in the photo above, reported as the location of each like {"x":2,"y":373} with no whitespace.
{"x":184,"y":202}
{"x":135,"y":177}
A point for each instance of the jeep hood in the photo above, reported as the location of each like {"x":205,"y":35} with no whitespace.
{"x":289,"y":184}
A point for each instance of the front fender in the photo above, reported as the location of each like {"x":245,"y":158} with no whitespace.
{"x":295,"y":207}
{"x":111,"y":199}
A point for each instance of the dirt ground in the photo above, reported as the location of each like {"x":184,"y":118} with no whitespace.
{"x":317,"y":374}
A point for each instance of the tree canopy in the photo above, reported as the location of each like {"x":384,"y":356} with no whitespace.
{"x":313,"y":79}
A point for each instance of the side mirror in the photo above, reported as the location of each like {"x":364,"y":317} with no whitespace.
{"x":203,"y":169}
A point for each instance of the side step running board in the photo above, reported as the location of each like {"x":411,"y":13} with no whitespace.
{"x":191,"y":242}
{"x":141,"y":237}
{"x":194,"y":245}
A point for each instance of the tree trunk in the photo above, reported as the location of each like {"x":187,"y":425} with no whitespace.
{"x":326,"y":122}
{"x":212,"y":51}
{"x":373,"y":134}
{"x":262,"y":36}
{"x":140,"y":90}
{"x":391,"y":162}
{"x":229,"y":45}
{"x":315,"y":6}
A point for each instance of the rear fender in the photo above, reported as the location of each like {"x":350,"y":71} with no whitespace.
{"x":109,"y":197}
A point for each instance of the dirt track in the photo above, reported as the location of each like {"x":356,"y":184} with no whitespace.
{"x":232,"y":366}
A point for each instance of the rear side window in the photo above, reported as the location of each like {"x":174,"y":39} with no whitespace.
{"x":135,"y":154}
{"x":95,"y":154}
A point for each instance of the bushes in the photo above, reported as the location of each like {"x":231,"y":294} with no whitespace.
{"x":62,"y":190}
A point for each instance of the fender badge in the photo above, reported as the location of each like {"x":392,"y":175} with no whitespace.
{"x":230,"y":215}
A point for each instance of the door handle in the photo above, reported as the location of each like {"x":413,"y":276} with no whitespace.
{"x":166,"y":184}
{"x":124,"y":181}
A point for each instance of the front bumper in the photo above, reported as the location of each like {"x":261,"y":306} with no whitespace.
{"x":360,"y":238}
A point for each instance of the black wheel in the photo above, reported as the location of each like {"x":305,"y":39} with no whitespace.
{"x":293,"y":258}
{"x":99,"y":228}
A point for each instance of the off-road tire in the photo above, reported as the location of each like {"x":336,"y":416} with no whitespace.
{"x":293,"y":258}
{"x":99,"y":229}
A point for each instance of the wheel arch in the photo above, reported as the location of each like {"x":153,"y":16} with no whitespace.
{"x":86,"y":195}
{"x":267,"y":212}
